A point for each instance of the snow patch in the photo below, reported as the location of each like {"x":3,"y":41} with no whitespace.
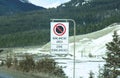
{"x":86,"y":1}
{"x":24,"y":1}
{"x":83,"y":3}
{"x":77,"y":4}
{"x":63,"y":5}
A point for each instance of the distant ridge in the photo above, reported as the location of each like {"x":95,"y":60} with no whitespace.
{"x":8,"y":7}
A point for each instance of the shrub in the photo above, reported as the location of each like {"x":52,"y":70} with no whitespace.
{"x":9,"y":62}
{"x":59,"y":72}
{"x":28,"y":64}
{"x":15,"y":63}
{"x":48,"y":65}
{"x":91,"y":74}
{"x":44,"y":65}
{"x":2,"y":63}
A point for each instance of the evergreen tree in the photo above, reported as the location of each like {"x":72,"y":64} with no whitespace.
{"x":9,"y":61}
{"x":91,"y":74}
{"x":101,"y":71}
{"x":113,"y":57}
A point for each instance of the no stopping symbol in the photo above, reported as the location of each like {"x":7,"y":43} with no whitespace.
{"x":59,"y":29}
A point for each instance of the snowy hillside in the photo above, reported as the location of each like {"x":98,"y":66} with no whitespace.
{"x":76,"y":3}
{"x":92,"y":43}
{"x":87,"y":44}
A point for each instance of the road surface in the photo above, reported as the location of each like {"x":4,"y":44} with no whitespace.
{"x":3,"y":75}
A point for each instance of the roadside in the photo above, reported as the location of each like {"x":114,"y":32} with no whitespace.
{"x":2,"y":75}
{"x":10,"y":73}
{"x":14,"y":73}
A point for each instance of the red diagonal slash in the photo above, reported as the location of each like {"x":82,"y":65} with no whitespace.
{"x":59,"y":29}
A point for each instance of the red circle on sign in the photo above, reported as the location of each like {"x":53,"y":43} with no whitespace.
{"x":59,"y":29}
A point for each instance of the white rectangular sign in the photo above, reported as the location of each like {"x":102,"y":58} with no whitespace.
{"x":59,"y":37}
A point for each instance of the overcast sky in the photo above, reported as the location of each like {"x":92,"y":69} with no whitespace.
{"x":48,"y":3}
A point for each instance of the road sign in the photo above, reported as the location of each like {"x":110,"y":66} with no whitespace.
{"x":59,"y":29}
{"x":59,"y":37}
{"x":73,"y":39}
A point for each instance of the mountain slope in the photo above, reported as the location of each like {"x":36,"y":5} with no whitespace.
{"x":8,"y":7}
{"x":91,"y":11}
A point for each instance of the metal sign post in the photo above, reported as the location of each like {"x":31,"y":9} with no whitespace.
{"x":62,"y":32}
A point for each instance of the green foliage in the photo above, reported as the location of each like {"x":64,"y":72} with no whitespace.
{"x":90,"y":55}
{"x":91,"y":74}
{"x":2,"y":63}
{"x":59,"y":72}
{"x":44,"y":65}
{"x":48,"y":65}
{"x":25,"y":39}
{"x":15,"y":62}
{"x":106,"y":73}
{"x":113,"y":57}
{"x":28,"y":64}
{"x":101,"y":71}
{"x":9,"y":61}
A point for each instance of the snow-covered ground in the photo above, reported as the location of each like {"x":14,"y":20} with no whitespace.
{"x":83,"y":66}
{"x":91,"y":43}
{"x":83,"y":69}
{"x":88,"y":44}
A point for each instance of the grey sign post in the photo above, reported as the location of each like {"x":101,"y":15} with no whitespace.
{"x":74,"y":39}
